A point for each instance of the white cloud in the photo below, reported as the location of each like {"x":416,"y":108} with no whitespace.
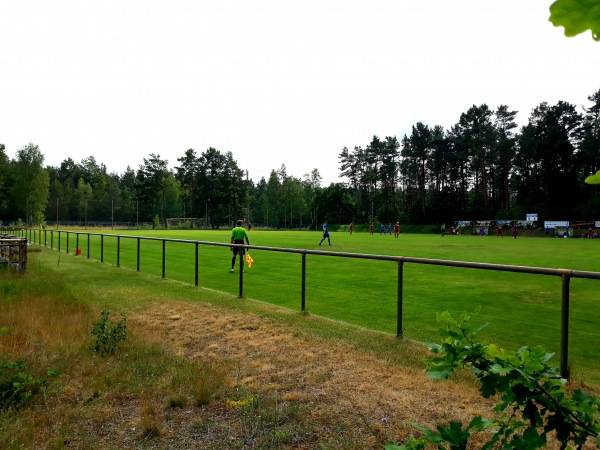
{"x":273,"y":82}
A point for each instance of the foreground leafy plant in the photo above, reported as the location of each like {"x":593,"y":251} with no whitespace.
{"x":576,"y":16}
{"x":533,"y":398}
{"x":109,"y":334}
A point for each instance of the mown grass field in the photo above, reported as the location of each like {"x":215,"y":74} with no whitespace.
{"x":521,"y":309}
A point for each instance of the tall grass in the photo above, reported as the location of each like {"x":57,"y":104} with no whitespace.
{"x":45,"y":324}
{"x":41,"y":316}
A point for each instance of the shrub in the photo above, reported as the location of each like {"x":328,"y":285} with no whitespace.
{"x":17,"y":387}
{"x":156,"y":222}
{"x":533,"y":399}
{"x":109,"y":335}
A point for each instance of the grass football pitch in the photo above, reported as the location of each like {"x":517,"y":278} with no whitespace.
{"x":522,"y":309}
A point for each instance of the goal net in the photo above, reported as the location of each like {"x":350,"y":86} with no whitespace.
{"x":186,"y":223}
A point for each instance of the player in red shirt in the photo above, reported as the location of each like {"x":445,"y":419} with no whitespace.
{"x":397,"y":230}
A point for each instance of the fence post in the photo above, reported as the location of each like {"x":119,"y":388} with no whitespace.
{"x":564,"y":326}
{"x":138,"y":254}
{"x":303,"y":305}
{"x":118,"y":251}
{"x":76,"y":243}
{"x":196,"y":267}
{"x":52,"y":239}
{"x":88,"y":249}
{"x":67,"y":243}
{"x":59,"y":240}
{"x":241,"y":254}
{"x":400,"y":281}
{"x":101,"y":248}
{"x":164,"y":257}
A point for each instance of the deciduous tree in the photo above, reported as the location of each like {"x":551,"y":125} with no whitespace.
{"x":30,"y":184}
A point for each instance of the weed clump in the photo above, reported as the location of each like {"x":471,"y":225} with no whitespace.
{"x":17,"y":386}
{"x":109,"y":334}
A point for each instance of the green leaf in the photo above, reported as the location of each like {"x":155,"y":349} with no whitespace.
{"x":493,"y":351}
{"x":581,"y":396}
{"x":479,"y":424}
{"x":499,"y":369}
{"x":489,"y":385}
{"x":532,"y":439}
{"x":439,"y":372}
{"x":454,"y":435}
{"x":392,"y":446}
{"x":454,"y":335}
{"x":576,"y":16}
{"x":428,"y":433}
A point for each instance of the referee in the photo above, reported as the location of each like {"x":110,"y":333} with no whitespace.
{"x":238,"y":234}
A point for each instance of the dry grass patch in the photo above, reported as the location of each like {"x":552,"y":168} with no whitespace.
{"x":346,"y":396}
{"x":197,"y":376}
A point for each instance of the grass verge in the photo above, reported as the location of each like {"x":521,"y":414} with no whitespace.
{"x":147,"y":395}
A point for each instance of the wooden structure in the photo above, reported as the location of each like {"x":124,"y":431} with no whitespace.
{"x":13,"y":252}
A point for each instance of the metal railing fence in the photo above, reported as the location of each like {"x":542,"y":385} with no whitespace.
{"x":566,"y":275}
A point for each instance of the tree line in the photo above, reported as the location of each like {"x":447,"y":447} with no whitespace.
{"x":481,"y":168}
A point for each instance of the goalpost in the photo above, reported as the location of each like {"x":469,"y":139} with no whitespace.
{"x":186,"y":223}
{"x":487,"y":229}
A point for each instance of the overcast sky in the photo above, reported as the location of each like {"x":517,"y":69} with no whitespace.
{"x":274,"y":82}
